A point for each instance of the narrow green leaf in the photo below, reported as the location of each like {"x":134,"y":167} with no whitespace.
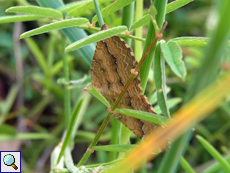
{"x":50,"y":85}
{"x":7,"y":130}
{"x":143,"y":21}
{"x":26,"y":136}
{"x":112,"y":8}
{"x":35,"y":10}
{"x":38,"y":55}
{"x":10,"y":99}
{"x":70,"y":129}
{"x":153,"y":98}
{"x":154,"y":118}
{"x":88,"y":136}
{"x":139,"y":31}
{"x":186,"y":165}
{"x":176,"y":4}
{"x":170,"y":102}
{"x":215,"y":167}
{"x":191,"y":41}
{"x":160,"y":81}
{"x":59,"y":65}
{"x":96,"y":37}
{"x":225,"y":165}
{"x":56,"y":25}
{"x":17,"y":18}
{"x":115,"y":148}
{"x":96,"y":94}
{"x":173,"y":56}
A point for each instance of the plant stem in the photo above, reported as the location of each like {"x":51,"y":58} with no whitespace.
{"x":138,"y":31}
{"x":106,"y":120}
{"x":127,"y":19}
{"x":99,"y":16}
{"x":67,"y":106}
{"x":95,"y":140}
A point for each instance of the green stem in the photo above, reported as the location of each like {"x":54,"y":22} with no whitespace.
{"x":138,"y":31}
{"x":95,"y":140}
{"x":124,"y":139}
{"x":67,"y":106}
{"x":99,"y":16}
{"x":115,"y":133}
{"x":106,"y":120}
{"x":127,"y":19}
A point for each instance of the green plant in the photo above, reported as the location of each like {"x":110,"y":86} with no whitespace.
{"x":169,"y":52}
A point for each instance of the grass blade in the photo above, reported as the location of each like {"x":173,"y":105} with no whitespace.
{"x":50,"y":85}
{"x":96,"y":37}
{"x":186,"y":165}
{"x":139,"y":31}
{"x":26,"y":136}
{"x":215,"y":167}
{"x":69,"y":129}
{"x":7,"y":130}
{"x":56,"y":25}
{"x":34,"y":10}
{"x":38,"y":55}
{"x":211,"y":150}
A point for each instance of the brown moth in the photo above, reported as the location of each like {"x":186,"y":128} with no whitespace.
{"x":111,"y":67}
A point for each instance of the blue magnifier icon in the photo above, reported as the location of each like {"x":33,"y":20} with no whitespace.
{"x":9,"y":160}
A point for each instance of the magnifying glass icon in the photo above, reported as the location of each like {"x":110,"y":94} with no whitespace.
{"x":9,"y":160}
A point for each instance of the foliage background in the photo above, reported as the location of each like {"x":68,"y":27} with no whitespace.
{"x":40,"y":102}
